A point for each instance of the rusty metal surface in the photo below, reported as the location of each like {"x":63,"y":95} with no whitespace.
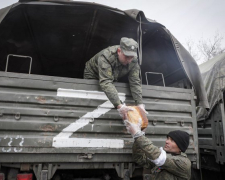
{"x":31,"y":115}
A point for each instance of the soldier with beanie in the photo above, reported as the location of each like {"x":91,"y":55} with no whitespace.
{"x":168,"y":163}
{"x":112,"y":63}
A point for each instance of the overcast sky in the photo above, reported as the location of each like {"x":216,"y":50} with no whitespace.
{"x":184,"y":18}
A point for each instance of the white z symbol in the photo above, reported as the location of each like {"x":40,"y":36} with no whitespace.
{"x":63,"y":139}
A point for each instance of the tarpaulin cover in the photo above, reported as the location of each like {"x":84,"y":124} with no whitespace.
{"x":60,"y":32}
{"x":213,"y":74}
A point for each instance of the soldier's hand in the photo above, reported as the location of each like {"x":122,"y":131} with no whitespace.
{"x":134,"y":129}
{"x":142,"y":106}
{"x":123,"y":109}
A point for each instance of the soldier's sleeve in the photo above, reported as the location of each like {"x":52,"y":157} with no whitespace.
{"x":140,"y":158}
{"x":106,"y":81}
{"x":152,"y":152}
{"x":146,"y":154}
{"x":178,"y":165}
{"x":135,"y":84}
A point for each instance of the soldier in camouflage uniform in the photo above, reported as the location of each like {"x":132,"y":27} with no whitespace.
{"x":168,"y":163}
{"x":113,"y":63}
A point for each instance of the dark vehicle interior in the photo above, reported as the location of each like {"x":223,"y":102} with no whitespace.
{"x":61,"y":39}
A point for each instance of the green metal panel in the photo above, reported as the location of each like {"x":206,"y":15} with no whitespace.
{"x":31,"y":115}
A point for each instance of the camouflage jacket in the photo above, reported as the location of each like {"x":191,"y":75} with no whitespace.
{"x":106,"y":67}
{"x":176,"y":167}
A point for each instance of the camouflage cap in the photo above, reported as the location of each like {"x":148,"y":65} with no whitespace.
{"x":128,"y":46}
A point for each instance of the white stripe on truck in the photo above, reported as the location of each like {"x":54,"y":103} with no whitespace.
{"x":63,"y":138}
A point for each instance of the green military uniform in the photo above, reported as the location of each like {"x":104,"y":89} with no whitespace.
{"x":175,"y":167}
{"x":106,"y":67}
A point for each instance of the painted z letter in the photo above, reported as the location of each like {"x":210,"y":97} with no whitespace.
{"x":63,"y":138}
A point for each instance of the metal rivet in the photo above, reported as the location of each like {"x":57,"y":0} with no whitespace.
{"x":17,"y":116}
{"x":92,"y":120}
{"x":154,"y":122}
{"x":182,"y":123}
{"x":56,"y":118}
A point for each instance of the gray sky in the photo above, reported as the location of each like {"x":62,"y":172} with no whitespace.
{"x":184,"y":18}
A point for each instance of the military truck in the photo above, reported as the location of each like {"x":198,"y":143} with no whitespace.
{"x":56,"y":125}
{"x":211,"y":123}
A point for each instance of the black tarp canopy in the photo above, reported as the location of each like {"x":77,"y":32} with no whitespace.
{"x":61,"y":36}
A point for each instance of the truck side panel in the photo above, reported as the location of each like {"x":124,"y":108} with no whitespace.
{"x":37,"y":125}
